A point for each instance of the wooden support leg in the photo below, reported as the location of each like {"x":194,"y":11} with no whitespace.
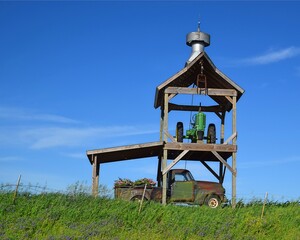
{"x":165,"y":152}
{"x":234,"y":154}
{"x":95,"y":177}
{"x":210,"y":169}
{"x":234,"y":180}
{"x":158,"y":177}
{"x":221,"y":173}
{"x":164,"y":190}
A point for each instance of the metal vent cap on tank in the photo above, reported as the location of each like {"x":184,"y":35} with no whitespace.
{"x":197,"y":40}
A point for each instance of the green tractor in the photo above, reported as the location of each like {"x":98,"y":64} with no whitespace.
{"x":196,"y":133}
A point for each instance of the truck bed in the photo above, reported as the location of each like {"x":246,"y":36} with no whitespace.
{"x":128,"y":193}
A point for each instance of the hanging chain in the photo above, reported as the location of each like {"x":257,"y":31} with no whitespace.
{"x":201,"y":78}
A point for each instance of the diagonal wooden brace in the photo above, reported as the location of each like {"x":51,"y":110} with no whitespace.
{"x":234,"y":135}
{"x":224,"y":162}
{"x":171,"y":96}
{"x":176,"y":160}
{"x":169,"y":136}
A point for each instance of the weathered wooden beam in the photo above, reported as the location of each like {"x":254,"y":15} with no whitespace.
{"x":190,"y":108}
{"x":218,"y":114}
{"x":161,"y":123}
{"x":223,"y":175}
{"x":222,"y":127}
{"x":224,"y":162}
{"x":171,"y":96}
{"x":229,"y":99}
{"x":233,"y":136}
{"x":201,"y":147}
{"x":221,"y":179}
{"x":175,"y":161}
{"x":165,"y":151}
{"x":95,"y":176}
{"x":210,"y":169}
{"x":159,"y":175}
{"x":169,"y":136}
{"x":124,"y":148}
{"x":234,"y":154}
{"x":196,"y":91}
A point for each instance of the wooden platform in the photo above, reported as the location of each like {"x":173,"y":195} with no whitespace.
{"x":196,"y":151}
{"x":114,"y":154}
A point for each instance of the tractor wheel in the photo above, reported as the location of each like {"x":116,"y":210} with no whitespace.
{"x":179,"y":132}
{"x":211,"y":133}
{"x":213,"y":201}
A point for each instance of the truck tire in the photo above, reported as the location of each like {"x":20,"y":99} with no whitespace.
{"x":213,"y":201}
{"x":138,"y":198}
{"x":211,"y":133}
{"x":179,"y":132}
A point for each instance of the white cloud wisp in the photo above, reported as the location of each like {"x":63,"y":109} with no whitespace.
{"x":34,"y":132}
{"x":18,"y":114}
{"x":272,"y":56}
{"x":51,"y":137}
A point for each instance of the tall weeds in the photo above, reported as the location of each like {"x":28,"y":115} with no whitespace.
{"x":77,"y":215}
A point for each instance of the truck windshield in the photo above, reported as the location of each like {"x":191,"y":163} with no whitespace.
{"x":185,"y":176}
{"x":189,"y":176}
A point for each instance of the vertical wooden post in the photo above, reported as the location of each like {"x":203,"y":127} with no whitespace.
{"x":158,"y":176}
{"x":159,"y":170}
{"x":221,"y":172}
{"x":165,"y":152}
{"x":161,"y":124}
{"x":95,"y":177}
{"x":222,"y":127}
{"x":222,"y":136}
{"x":234,"y":154}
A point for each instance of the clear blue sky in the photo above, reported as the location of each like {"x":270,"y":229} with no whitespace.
{"x":77,"y":76}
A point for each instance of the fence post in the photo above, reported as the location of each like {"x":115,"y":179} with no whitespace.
{"x":142,"y":198}
{"x":263,"y":208}
{"x":16,"y":191}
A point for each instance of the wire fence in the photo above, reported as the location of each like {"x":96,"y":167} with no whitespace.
{"x":83,"y":189}
{"x":80,"y":188}
{"x":74,"y":189}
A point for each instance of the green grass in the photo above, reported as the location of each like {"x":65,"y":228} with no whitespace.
{"x":79,"y":216}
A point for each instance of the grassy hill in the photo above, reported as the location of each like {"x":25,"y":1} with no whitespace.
{"x":66,"y":216}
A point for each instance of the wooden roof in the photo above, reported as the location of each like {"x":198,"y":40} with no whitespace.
{"x":114,"y":154}
{"x":188,"y":76}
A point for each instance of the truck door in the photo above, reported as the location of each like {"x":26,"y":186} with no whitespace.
{"x":182,"y":189}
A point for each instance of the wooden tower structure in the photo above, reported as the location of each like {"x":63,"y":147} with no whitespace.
{"x":199,"y":77}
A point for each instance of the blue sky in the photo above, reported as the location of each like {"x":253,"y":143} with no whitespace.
{"x":77,"y":76}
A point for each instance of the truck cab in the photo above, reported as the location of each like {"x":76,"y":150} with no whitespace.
{"x":182,"y":187}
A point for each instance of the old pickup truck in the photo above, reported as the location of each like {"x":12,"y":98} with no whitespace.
{"x":181,"y":188}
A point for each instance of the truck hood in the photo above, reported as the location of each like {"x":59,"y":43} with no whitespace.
{"x":213,"y":187}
